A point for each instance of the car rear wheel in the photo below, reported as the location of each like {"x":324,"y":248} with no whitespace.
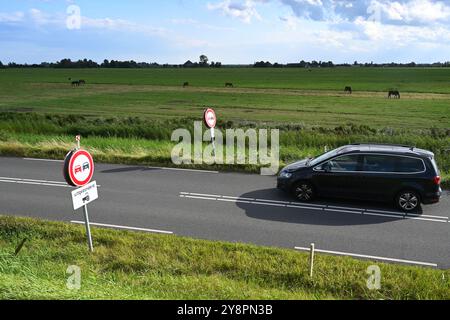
{"x":408,"y":201}
{"x":304,"y":192}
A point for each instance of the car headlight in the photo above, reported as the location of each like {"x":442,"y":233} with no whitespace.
{"x":285,"y":174}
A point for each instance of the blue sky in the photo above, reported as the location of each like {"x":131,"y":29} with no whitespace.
{"x":230,"y":31}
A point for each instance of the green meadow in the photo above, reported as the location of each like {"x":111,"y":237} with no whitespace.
{"x":127,"y":115}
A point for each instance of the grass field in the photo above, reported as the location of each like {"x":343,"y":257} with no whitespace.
{"x":142,"y":266}
{"x":130,"y":113}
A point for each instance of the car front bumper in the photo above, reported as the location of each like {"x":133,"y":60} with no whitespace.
{"x":284,"y":184}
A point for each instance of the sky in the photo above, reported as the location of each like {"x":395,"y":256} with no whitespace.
{"x":230,"y":31}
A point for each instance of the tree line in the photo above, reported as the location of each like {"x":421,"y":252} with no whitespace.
{"x":204,"y":63}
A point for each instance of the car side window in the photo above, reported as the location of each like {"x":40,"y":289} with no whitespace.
{"x":342,"y":164}
{"x":411,"y":165}
{"x":379,"y":163}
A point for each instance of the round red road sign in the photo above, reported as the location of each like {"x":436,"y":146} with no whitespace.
{"x":210,"y":118}
{"x":78,"y":168}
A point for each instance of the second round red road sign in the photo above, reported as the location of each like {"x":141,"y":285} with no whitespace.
{"x":78,"y":168}
{"x":210,"y":118}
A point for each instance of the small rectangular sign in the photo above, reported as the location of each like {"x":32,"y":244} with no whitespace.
{"x":84,"y":195}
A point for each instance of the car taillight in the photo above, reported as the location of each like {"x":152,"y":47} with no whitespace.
{"x":437,"y":180}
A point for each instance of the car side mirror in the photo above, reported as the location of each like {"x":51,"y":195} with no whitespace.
{"x":327,"y":167}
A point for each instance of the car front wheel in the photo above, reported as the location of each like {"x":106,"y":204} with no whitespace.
{"x":304,"y":192}
{"x":408,"y":201}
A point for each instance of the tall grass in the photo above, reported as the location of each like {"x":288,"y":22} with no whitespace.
{"x":134,"y":135}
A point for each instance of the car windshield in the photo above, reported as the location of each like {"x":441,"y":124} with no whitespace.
{"x":324,"y":157}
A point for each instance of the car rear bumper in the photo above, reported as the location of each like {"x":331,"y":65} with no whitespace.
{"x":432,"y":198}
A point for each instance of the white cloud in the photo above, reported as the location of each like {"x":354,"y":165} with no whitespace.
{"x":11,"y":17}
{"x":245,"y":11}
{"x":415,"y":11}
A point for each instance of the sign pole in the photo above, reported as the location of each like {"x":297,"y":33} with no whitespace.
{"x":78,"y":140}
{"x":88,"y":228}
{"x":78,"y":171}
{"x":213,"y":141}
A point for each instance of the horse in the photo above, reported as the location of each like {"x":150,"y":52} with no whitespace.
{"x":229,"y":85}
{"x":186,"y":84}
{"x":394,"y":93}
{"x":82,"y":82}
{"x":75,"y":83}
{"x":348,"y":90}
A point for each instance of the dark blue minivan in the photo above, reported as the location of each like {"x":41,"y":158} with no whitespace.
{"x":405,"y":175}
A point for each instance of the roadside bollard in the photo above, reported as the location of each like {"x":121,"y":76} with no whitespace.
{"x":311,"y":260}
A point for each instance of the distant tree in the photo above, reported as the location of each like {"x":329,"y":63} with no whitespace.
{"x":203,"y":60}
{"x":262,"y":64}
{"x":1,"y":65}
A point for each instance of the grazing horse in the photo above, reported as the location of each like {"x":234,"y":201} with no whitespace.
{"x":394,"y":94}
{"x":186,"y":84}
{"x":229,"y":85}
{"x":348,"y":90}
{"x":75,"y":83}
{"x":82,"y":82}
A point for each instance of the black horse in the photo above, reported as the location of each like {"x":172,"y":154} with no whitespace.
{"x":348,"y":90}
{"x":76,"y":83}
{"x":186,"y":84}
{"x":229,"y":85}
{"x":82,"y":82}
{"x":394,"y":94}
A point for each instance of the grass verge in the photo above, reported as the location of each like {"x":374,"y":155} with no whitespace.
{"x":295,"y":145}
{"x":129,"y":265}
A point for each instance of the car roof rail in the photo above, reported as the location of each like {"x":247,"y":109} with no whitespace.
{"x":385,"y":145}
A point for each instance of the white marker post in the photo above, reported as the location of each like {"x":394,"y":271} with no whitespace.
{"x":210,"y":120}
{"x":311,"y":260}
{"x":78,"y":172}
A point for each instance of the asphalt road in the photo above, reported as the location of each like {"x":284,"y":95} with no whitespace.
{"x":231,"y":207}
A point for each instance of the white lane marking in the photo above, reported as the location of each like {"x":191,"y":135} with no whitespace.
{"x":303,"y":207}
{"x":346,"y":208}
{"x":235,"y":201}
{"x":199,"y":198}
{"x":329,"y":208}
{"x":238,"y":198}
{"x":44,"y":160}
{"x":33,"y":180}
{"x":382,"y":215}
{"x":160,"y":168}
{"x":343,"y":211}
{"x":419,"y":263}
{"x":187,"y":170}
{"x":35,"y":183}
{"x":205,"y":195}
{"x":123,"y":227}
